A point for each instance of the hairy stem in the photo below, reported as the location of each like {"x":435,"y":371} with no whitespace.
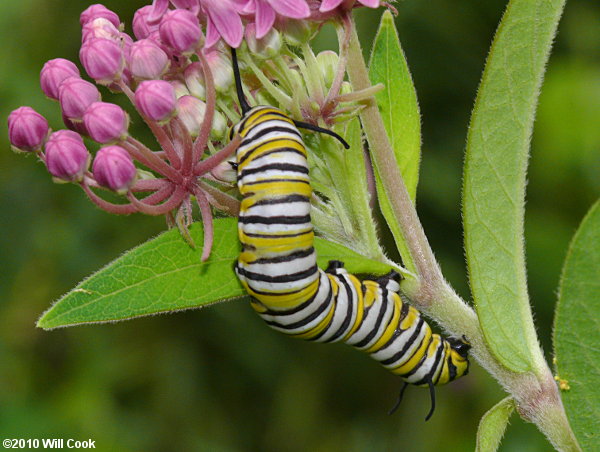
{"x":536,"y":397}
{"x":204,"y":166}
{"x":209,"y":113}
{"x":157,"y":130}
{"x":140,"y":152}
{"x":429,"y":273}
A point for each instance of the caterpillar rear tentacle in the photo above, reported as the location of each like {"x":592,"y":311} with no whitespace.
{"x":278,"y":264}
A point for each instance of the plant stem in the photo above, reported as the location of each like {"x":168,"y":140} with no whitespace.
{"x":430,"y":275}
{"x":536,"y":396}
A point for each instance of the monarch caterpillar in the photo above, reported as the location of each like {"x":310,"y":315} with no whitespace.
{"x":278,"y":263}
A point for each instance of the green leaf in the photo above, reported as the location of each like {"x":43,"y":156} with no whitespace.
{"x":358,"y":190}
{"x":165,"y":274}
{"x":341,"y":176}
{"x":493,"y":424}
{"x":494,"y":179}
{"x":397,"y":102}
{"x":399,"y":109}
{"x":577,"y":332}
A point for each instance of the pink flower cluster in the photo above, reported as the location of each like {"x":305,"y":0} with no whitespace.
{"x":225,"y":18}
{"x":150,"y":71}
{"x":171,"y":70}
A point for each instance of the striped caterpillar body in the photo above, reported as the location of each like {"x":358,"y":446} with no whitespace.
{"x":278,"y":264}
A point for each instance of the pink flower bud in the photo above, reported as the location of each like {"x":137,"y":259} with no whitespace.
{"x":105,"y":122}
{"x":96,"y":11}
{"x":221,"y":69}
{"x":103,"y":59}
{"x":180,"y":30}
{"x":141,"y":27}
{"x":75,"y":125}
{"x":224,"y":171}
{"x":75,"y":96}
{"x":194,"y":80}
{"x":147,"y":60}
{"x":266,"y":46}
{"x":27,"y":129}
{"x":53,"y":73}
{"x":192,"y":5}
{"x":126,"y":44}
{"x":66,"y":156}
{"x":113,"y":168}
{"x":126,"y":78}
{"x":156,"y":100}
{"x":191,"y":112}
{"x":180,"y":88}
{"x":99,"y":28}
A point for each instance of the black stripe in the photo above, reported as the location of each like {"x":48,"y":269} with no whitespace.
{"x":421,"y":361}
{"x":260,"y":145}
{"x":265,"y":110}
{"x":399,"y":330}
{"x":452,"y":370}
{"x":403,"y":311}
{"x":275,"y":166}
{"x":261,"y":133}
{"x":262,"y":113}
{"x":280,"y":200}
{"x":438,"y":357}
{"x":298,"y":308}
{"x":410,"y":341}
{"x":277,"y":294}
{"x":278,"y":219}
{"x":284,"y":258}
{"x":305,"y":321}
{"x":258,"y":150}
{"x":382,"y":309}
{"x":292,"y":277}
{"x":349,"y":310}
{"x":270,"y":181}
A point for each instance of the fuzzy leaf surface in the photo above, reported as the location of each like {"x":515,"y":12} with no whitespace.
{"x":493,"y":424}
{"x":495,"y":175}
{"x":164,"y":274}
{"x":577,"y":331}
{"x":399,"y":109}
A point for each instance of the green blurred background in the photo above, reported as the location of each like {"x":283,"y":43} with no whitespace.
{"x":218,"y":379}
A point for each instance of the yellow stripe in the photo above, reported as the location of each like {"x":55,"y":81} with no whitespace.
{"x":444,"y":376}
{"x":279,"y":244}
{"x":258,"y":149}
{"x":359,"y":306}
{"x":387,"y":334}
{"x":317,"y":329}
{"x":412,"y":317}
{"x":264,"y":116}
{"x":416,"y":356}
{"x":371,"y":293}
{"x":272,"y":189}
{"x":285,"y":300}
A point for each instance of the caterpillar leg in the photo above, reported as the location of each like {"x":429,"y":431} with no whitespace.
{"x":333,"y":266}
{"x":393,"y":275}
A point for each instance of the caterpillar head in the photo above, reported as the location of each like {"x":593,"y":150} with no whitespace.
{"x":459,"y":356}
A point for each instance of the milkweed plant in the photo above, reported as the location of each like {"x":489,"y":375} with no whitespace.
{"x":175,"y":68}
